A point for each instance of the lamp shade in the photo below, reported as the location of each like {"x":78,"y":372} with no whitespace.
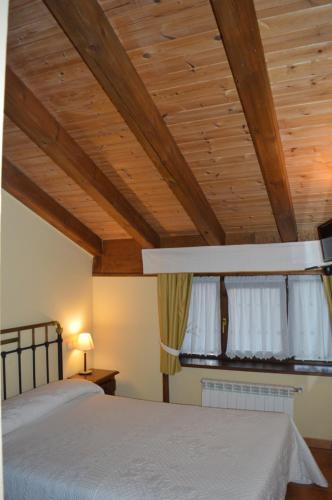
{"x":84,"y":342}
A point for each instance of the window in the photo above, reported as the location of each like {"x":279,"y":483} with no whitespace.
{"x":272,"y":319}
{"x":257,"y":311}
{"x":308,"y":319}
{"x":203,"y":328}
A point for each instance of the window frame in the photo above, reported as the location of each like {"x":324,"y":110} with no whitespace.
{"x":270,"y":365}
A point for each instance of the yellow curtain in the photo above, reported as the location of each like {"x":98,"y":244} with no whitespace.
{"x":174,"y":291}
{"x":327,"y":280}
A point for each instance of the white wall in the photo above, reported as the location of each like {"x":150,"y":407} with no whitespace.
{"x":312,"y":408}
{"x":126,"y":334}
{"x":125,"y":326}
{"x":44,"y":277}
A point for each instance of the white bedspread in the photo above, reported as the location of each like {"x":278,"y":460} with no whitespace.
{"x":99,"y":447}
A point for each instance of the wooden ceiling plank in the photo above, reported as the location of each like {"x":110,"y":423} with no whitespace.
{"x":27,"y":192}
{"x":238,"y":26}
{"x":88,"y":28}
{"x":30,"y":115}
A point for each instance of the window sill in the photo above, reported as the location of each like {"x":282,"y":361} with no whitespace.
{"x":254,"y":366}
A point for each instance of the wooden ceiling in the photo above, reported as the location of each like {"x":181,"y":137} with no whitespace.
{"x":174,"y":148}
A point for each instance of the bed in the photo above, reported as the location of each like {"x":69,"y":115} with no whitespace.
{"x":66,"y":440}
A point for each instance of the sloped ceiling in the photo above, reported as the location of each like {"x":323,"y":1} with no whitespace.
{"x":176,"y":48}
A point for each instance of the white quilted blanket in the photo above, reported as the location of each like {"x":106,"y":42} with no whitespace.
{"x":99,"y":447}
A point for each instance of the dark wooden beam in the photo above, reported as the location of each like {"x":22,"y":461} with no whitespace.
{"x":23,"y":189}
{"x":88,"y":28}
{"x":124,"y":257}
{"x":238,"y":26}
{"x":182,"y":241}
{"x":24,"y":109}
{"x":120,"y":258}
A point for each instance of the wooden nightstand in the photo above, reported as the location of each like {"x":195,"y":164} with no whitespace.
{"x":104,"y":378}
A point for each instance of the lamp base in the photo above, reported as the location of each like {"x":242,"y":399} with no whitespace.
{"x":85,"y":372}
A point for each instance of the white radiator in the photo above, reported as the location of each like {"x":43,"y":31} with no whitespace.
{"x":247,"y":396}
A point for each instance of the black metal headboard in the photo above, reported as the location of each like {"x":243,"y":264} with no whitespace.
{"x":15,"y":336}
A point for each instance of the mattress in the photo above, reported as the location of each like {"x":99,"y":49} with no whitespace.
{"x":101,"y":447}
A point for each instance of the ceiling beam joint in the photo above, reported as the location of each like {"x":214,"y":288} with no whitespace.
{"x":27,"y":192}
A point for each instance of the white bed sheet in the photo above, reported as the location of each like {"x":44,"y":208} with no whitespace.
{"x":100,"y":448}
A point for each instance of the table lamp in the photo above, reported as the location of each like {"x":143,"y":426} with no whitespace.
{"x":85,"y":343}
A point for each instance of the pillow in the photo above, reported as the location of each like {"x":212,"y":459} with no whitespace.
{"x":29,"y":406}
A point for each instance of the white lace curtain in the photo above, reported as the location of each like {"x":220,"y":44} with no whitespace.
{"x":203,"y":327}
{"x":259,"y":325}
{"x":257,"y":310}
{"x":308,"y":319}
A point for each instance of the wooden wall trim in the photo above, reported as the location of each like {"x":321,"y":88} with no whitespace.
{"x":29,"y":114}
{"x":324,"y":444}
{"x":239,"y":30}
{"x":87,"y":26}
{"x":165,"y":388}
{"x":24,"y":190}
